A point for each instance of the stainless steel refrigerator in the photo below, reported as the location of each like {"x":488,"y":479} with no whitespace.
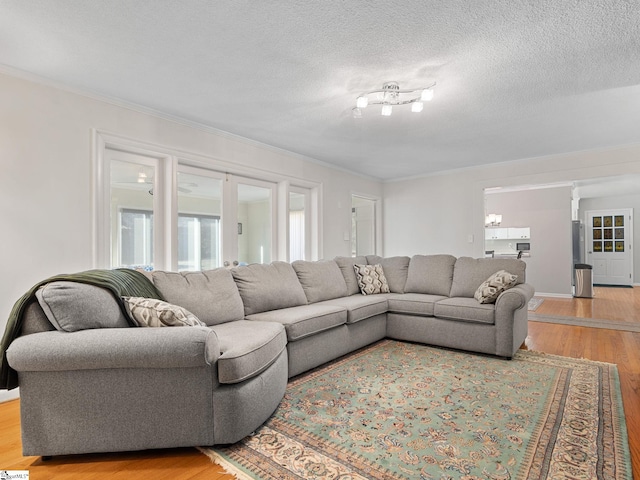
{"x":582,"y":278}
{"x":577,"y":233}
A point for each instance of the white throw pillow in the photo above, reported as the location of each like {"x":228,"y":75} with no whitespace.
{"x":492,"y":287}
{"x":371,"y":279}
{"x":150,"y":312}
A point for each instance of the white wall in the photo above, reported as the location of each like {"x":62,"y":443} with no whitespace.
{"x":547,"y":212}
{"x":615,"y":202}
{"x":46,"y":178}
{"x":442,"y":213}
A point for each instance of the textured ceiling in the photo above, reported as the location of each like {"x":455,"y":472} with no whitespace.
{"x":515,"y":79}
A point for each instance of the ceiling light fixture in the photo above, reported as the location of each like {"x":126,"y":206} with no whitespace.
{"x":391,"y":96}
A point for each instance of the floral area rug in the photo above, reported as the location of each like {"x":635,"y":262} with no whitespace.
{"x":398,"y":410}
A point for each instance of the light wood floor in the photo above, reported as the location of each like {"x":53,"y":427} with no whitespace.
{"x":614,"y":346}
{"x":609,"y":303}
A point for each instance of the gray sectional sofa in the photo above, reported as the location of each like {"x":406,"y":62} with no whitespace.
{"x":118,"y":389}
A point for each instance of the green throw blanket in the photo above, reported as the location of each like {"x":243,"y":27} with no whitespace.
{"x":121,"y":282}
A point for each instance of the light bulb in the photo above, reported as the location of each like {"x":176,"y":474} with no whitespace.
{"x":386,"y":110}
{"x":417,"y":107}
{"x":362,"y":101}
{"x":427,"y":95}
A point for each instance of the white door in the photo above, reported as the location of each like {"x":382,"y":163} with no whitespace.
{"x":609,"y":239}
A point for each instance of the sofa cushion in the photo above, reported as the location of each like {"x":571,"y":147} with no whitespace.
{"x":268,"y":287}
{"x":247,"y":348}
{"x":151,"y":312}
{"x":360,"y":307}
{"x":346,"y":267}
{"x":430,"y":274}
{"x":395,"y":270}
{"x":73,"y":306}
{"x":465,"y":309}
{"x":305,"y":320}
{"x":414,"y":303}
{"x":371,"y":279}
{"x":469,"y":273}
{"x":211,"y":295}
{"x":492,"y":287}
{"x":320,"y":280}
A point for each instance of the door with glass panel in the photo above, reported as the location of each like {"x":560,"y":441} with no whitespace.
{"x":609,"y":239}
{"x":252,"y":207}
{"x":223,"y":220}
{"x":134,"y":229}
{"x":199,"y":235}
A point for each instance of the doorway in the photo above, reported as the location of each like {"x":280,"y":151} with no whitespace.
{"x":363,"y":226}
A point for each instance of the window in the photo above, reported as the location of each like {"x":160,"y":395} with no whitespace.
{"x":136,"y":239}
{"x":198,"y":244}
{"x":199,"y":239}
{"x":296,"y":235}
{"x":300,"y":236}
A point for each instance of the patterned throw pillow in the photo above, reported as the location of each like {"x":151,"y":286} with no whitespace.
{"x":493,"y":286}
{"x":371,"y":279}
{"x":149,"y":312}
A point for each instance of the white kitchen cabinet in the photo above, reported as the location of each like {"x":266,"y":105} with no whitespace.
{"x":496,"y":233}
{"x":519,"y":233}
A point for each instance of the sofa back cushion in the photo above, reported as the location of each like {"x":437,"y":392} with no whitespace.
{"x":348,"y":273}
{"x":430,"y":274}
{"x":395,"y":270}
{"x":320,"y":280}
{"x":268,"y":287}
{"x":73,"y":306}
{"x":469,"y":273}
{"x":211,"y":295}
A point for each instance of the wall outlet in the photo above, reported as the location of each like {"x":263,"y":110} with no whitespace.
{"x":470,"y":238}
{"x":346,"y":236}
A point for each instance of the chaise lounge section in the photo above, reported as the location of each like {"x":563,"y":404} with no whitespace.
{"x":91,"y":383}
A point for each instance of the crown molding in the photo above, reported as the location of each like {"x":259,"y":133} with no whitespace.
{"x":31,"y":77}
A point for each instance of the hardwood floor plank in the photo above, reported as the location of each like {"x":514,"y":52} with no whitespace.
{"x":609,"y":303}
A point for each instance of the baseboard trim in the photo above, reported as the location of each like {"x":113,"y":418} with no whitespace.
{"x":7,"y":395}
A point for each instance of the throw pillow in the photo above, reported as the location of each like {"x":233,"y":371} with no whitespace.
{"x":149,"y":312}
{"x":493,"y":286}
{"x":73,"y":306}
{"x":371,"y":279}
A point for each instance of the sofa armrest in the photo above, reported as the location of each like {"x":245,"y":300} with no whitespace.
{"x":109,"y":348}
{"x":515,"y":298}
